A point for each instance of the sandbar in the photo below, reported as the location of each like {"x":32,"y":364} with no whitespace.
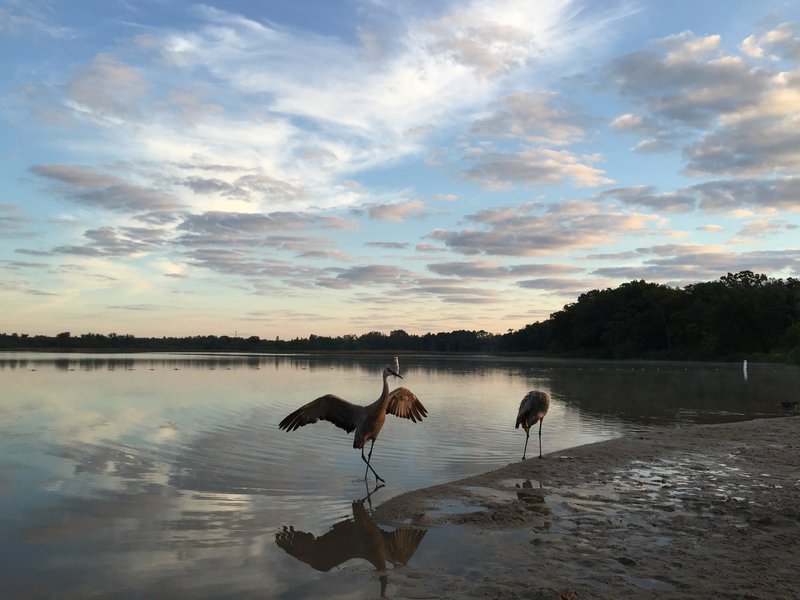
{"x":695,"y":511}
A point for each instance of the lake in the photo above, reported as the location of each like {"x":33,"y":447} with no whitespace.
{"x":165,"y":475}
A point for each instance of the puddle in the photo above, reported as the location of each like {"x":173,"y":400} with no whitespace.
{"x":675,"y":484}
{"x":655,"y":585}
{"x":454,"y":507}
{"x":528,"y":484}
{"x":482,"y":494}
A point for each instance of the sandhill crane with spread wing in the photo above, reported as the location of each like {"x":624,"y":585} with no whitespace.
{"x":366,"y":421}
{"x":533,"y":408}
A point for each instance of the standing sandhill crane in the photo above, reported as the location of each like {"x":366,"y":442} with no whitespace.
{"x":367,"y":421}
{"x":533,"y":408}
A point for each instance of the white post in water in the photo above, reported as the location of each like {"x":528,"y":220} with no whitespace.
{"x":744,"y":369}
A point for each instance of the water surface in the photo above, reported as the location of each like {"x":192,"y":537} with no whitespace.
{"x":165,"y":475}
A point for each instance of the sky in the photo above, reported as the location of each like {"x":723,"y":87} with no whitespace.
{"x":286,"y":168}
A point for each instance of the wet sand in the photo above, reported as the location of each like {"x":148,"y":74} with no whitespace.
{"x":705,"y":511}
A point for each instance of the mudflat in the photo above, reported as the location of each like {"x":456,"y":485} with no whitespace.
{"x":701,"y":511}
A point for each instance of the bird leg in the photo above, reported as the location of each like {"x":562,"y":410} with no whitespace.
{"x":527,"y":435}
{"x":369,"y":466}
{"x":540,"y":437}
{"x":368,"y":497}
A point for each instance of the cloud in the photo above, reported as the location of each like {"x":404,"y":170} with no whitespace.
{"x":446,"y":197}
{"x":561,"y":286}
{"x":13,"y":220}
{"x":21,"y":18}
{"x":658,"y":137}
{"x":751,"y":47}
{"x":762,"y":228}
{"x":96,"y":189}
{"x":34,"y":292}
{"x":538,"y":117}
{"x":487,"y":42}
{"x":117,"y":242}
{"x":107,"y":88}
{"x":783,"y":41}
{"x":683,"y":83}
{"x":631,"y":122}
{"x":260,"y":246}
{"x":358,"y":105}
{"x":645,"y":196}
{"x":680,"y":265}
{"x":526,"y":230}
{"x":262,"y":271}
{"x":255,"y":230}
{"x":451,"y":291}
{"x":756,"y":146}
{"x":325,"y":110}
{"x":686,"y":46}
{"x":252,"y":188}
{"x":144,"y":307}
{"x":339,"y":87}
{"x":493,"y":270}
{"x":388,"y":245}
{"x":527,"y":133}
{"x":732,"y":115}
{"x":16,"y":265}
{"x":758,"y":194}
{"x":190,"y":107}
{"x":366,"y":275}
{"x":716,"y":196}
{"x":534,"y":166}
{"x":495,"y":37}
{"x":474,"y":296}
{"x":397,"y":212}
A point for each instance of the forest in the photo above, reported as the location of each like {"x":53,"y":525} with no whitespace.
{"x":740,"y":316}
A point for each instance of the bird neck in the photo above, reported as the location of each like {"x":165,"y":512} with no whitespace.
{"x":385,"y":393}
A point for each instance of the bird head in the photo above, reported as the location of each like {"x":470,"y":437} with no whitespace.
{"x":394,"y":369}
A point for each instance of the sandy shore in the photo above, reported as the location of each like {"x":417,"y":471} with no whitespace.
{"x":708,"y":511}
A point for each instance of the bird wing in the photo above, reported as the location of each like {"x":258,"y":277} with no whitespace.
{"x":534,"y":407}
{"x":331,"y":408}
{"x":402,"y":543}
{"x":324,"y":552}
{"x":405,"y":404}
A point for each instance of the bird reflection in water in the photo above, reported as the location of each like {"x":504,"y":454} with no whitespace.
{"x":532,"y":499}
{"x":357,"y":537}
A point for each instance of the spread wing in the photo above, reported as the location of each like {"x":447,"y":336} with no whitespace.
{"x":323,"y":553}
{"x":402,"y":543}
{"x":331,"y":408}
{"x":405,"y":404}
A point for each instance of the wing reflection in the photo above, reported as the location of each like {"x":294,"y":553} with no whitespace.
{"x":357,"y":537}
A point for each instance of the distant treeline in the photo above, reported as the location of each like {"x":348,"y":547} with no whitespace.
{"x":742,"y":315}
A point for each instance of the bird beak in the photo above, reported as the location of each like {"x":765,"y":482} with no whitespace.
{"x":395,"y":373}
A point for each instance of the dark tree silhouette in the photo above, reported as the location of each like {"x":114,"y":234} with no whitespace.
{"x":741,"y":315}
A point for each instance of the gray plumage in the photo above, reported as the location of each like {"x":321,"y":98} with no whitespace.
{"x":532,"y":409}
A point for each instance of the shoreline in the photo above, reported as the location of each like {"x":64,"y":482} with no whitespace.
{"x":687,"y":512}
{"x":758,"y":360}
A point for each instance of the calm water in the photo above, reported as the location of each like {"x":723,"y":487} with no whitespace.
{"x":165,"y":475}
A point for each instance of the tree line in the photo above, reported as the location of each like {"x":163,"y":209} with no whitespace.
{"x":742,"y":315}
